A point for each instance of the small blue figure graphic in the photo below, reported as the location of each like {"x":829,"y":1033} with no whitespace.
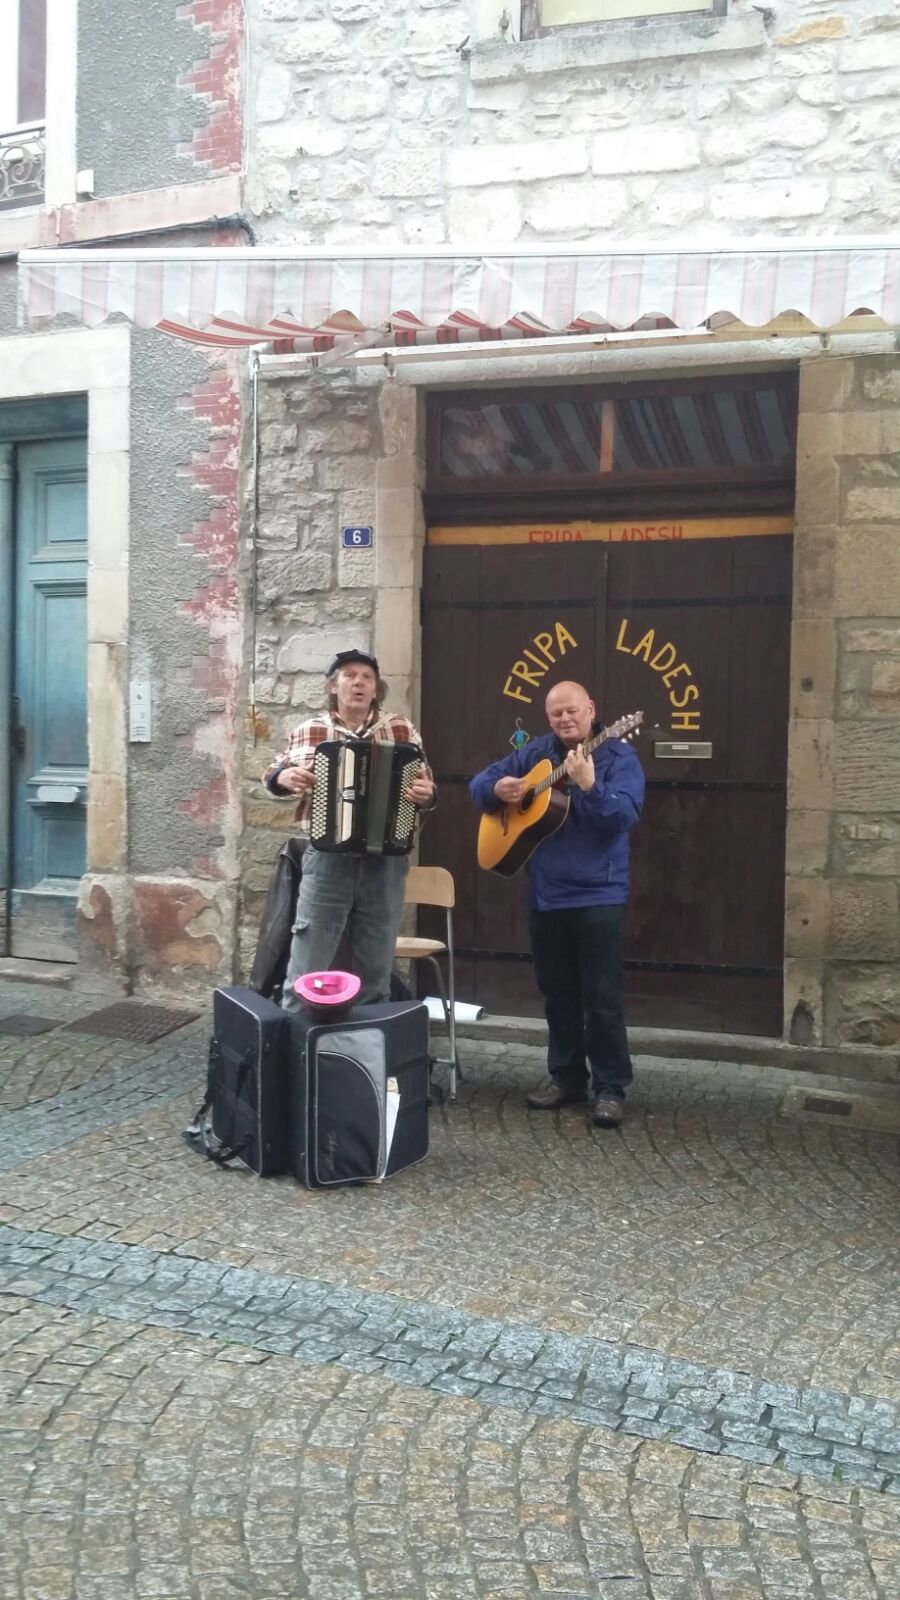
{"x":520,"y":737}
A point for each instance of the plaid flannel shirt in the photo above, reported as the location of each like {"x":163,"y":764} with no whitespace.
{"x":303,"y":742}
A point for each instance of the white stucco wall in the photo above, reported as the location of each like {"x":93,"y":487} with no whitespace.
{"x":422,"y":124}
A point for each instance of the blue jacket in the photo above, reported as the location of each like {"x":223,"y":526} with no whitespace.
{"x":585,"y":863}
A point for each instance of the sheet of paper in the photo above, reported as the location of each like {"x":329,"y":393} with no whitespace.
{"x":391,"y":1108}
{"x":464,"y":1011}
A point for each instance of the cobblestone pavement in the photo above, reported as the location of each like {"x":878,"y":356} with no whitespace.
{"x":653,"y":1365}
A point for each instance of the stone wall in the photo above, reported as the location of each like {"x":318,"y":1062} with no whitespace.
{"x":423,"y":124}
{"x":320,"y":441}
{"x":843,"y":862}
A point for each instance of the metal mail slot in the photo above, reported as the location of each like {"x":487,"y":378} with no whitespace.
{"x":675,"y":750}
{"x":56,"y":794}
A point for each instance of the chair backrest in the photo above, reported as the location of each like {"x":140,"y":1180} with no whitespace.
{"x":430,"y":886}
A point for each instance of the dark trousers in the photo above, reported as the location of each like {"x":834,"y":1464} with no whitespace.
{"x":578,"y":967}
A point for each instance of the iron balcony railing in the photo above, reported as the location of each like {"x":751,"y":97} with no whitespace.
{"x":22,"y":166}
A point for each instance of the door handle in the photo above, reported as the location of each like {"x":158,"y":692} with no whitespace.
{"x":16,"y":728}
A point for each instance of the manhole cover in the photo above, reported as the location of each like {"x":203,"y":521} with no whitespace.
{"x":23,"y":1027}
{"x":130,"y":1020}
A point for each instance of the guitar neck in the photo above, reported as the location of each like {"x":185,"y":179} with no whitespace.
{"x":560,"y":771}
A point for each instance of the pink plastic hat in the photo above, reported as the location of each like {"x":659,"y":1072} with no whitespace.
{"x":327,"y":992}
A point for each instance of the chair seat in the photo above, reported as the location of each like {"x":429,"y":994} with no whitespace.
{"x":410,"y":949}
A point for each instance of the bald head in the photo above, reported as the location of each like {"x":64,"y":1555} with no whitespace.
{"x":570,"y":712}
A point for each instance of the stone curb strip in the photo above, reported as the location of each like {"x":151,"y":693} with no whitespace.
{"x":819,"y":1432}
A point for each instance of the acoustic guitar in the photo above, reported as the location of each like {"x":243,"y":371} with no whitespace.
{"x":507,"y":838}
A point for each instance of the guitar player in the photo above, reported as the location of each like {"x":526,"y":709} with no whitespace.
{"x":578,"y":882}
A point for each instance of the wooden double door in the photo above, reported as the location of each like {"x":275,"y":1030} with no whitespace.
{"x":696,"y":634}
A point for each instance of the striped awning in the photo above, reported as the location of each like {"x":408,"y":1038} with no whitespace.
{"x":305,"y":299}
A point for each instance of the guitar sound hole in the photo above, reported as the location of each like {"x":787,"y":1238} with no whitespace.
{"x":527,"y":800}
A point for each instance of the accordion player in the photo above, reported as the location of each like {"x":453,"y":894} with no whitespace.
{"x":359,"y":803}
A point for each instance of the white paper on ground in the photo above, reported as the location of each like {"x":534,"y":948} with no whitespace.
{"x":462,"y":1011}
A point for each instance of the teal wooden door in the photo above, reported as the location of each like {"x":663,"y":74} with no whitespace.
{"x":49,"y":716}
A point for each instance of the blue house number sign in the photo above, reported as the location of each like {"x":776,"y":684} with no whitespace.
{"x":356,"y":538}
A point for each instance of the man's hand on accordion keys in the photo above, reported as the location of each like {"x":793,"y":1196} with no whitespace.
{"x":421,"y":790}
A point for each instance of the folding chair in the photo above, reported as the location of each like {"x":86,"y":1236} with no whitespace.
{"x":433,"y":886}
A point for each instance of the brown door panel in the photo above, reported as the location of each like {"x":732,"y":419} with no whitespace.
{"x":703,"y":1002}
{"x":695,"y":569}
{"x":708,"y":879}
{"x":758,"y":693}
{"x":502,"y":625}
{"x":673,"y":664}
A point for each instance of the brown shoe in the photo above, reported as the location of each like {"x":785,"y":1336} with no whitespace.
{"x":607,"y":1113}
{"x":556,"y":1095}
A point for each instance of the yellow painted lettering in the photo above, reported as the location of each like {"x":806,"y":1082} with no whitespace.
{"x":519,"y":670}
{"x":645,"y":645}
{"x":682,"y":670}
{"x":686,"y":721}
{"x":563,"y":637}
{"x":515,"y":693}
{"x":544,"y":641}
{"x":620,"y":642}
{"x":691,"y":692}
{"x":658,"y":663}
{"x":541,"y":665}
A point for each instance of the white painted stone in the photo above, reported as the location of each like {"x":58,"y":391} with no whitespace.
{"x":496,"y":96}
{"x":493,"y":215}
{"x":663,"y":147}
{"x":311,"y":649}
{"x":870,"y":55}
{"x":273,"y":92}
{"x":315,"y":138}
{"x":308,"y":46}
{"x":823,"y":91}
{"x":268,"y":190}
{"x":573,"y":206}
{"x":373,"y":137}
{"x":408,"y":175}
{"x":674,"y":207}
{"x":423,"y":228}
{"x":754,"y":202}
{"x":758,"y":98}
{"x":874,"y":125}
{"x":445,"y":32}
{"x":357,"y":99}
{"x":738,"y":138}
{"x":713,"y":102}
{"x":386,"y":37}
{"x":355,"y":10}
{"x":514,"y":163}
{"x":279,"y":10}
{"x":345,"y":178}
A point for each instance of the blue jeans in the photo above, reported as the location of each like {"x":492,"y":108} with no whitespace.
{"x":360,"y":894}
{"x":578,"y":966}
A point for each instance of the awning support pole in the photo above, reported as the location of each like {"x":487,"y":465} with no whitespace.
{"x":254,"y":530}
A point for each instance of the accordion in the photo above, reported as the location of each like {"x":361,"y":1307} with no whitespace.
{"x":358,"y":798}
